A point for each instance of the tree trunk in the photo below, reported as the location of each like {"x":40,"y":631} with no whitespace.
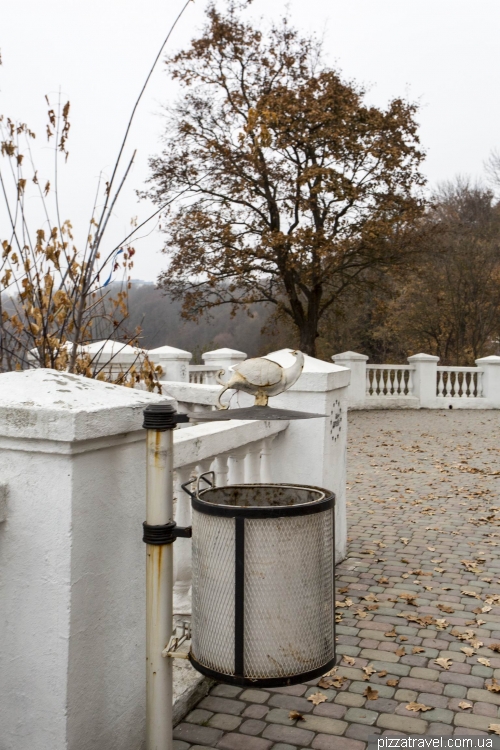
{"x":308,"y":336}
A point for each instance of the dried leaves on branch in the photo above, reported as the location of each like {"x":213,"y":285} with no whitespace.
{"x":293,"y":186}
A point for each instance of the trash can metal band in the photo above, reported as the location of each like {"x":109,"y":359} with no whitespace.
{"x":263,"y":584}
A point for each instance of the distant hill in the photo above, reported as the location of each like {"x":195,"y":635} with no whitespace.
{"x":160,"y":319}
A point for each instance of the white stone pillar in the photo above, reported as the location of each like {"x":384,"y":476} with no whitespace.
{"x":425,"y":379}
{"x":314,"y":451}
{"x":491,"y":379}
{"x":356,"y":363}
{"x":174,"y":363}
{"x":72,"y":660}
{"x":223,"y":358}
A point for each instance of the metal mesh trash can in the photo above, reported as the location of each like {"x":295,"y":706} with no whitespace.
{"x":263,"y":605}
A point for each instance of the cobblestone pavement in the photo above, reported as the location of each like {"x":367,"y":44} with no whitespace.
{"x":419,"y":598}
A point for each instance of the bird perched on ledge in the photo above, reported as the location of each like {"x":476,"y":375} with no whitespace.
{"x":261,"y":378}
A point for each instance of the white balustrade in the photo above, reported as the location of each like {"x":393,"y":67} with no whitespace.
{"x":459,"y":382}
{"x":203,"y":374}
{"x":389,"y":380}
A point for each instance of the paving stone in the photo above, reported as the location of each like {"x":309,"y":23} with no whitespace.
{"x":198,"y":716}
{"x":441,"y":715}
{"x":291,"y":702}
{"x":255,"y":696}
{"x":226,"y":691}
{"x":252,"y":726}
{"x":437,"y":701}
{"x":328,"y":742}
{"x":289,"y":690}
{"x":243,"y":742}
{"x":227,"y":722}
{"x":472,"y":721}
{"x":284,"y":746}
{"x":401,"y":723}
{"x":405,"y":695}
{"x":280,"y":716}
{"x":361,"y":731}
{"x":485,"y":709}
{"x":350,"y":699}
{"x":455,"y":691}
{"x":332,"y":710}
{"x":467,"y":680}
{"x":436,"y":728}
{"x":180,"y":745}
{"x":424,"y":674}
{"x":361,"y":716}
{"x":383,"y":690}
{"x":485,"y":696}
{"x":402,"y":670}
{"x":383,"y":705}
{"x":323,"y":724}
{"x":421,"y":686}
{"x":293,"y":735}
{"x":222,"y":705}
{"x":255,"y":711}
{"x":197,"y":734}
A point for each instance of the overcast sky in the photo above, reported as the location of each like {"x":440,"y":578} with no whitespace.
{"x":444,"y":54}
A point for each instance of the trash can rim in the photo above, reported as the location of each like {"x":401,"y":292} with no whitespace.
{"x":324,"y":503}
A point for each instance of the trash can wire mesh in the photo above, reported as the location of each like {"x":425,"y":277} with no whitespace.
{"x":263,"y":604}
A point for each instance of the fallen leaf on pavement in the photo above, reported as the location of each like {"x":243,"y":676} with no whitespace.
{"x":494,"y":728}
{"x":404,"y":540}
{"x":390,"y":634}
{"x":494,"y":687}
{"x":445,"y":608}
{"x":349,"y":660}
{"x":484,"y":662}
{"x":444,"y":663}
{"x":317,"y":698}
{"x":417,"y":650}
{"x":392,"y":683}
{"x":401,"y":651}
{"x":295,"y":715}
{"x":369,"y":670}
{"x":468,"y":651}
{"x":464,"y":705}
{"x":418,"y":707}
{"x":495,"y":647}
{"x":371,"y":694}
{"x":383,"y":673}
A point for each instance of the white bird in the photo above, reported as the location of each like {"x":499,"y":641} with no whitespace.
{"x":262,"y":378}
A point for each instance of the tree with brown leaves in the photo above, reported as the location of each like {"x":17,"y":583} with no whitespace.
{"x":293,"y":187}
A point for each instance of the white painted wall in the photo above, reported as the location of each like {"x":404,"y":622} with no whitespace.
{"x":71,"y":563}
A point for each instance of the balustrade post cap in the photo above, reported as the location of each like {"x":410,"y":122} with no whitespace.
{"x":224,"y":353}
{"x":350,"y":356}
{"x":169,"y":352}
{"x":421,"y":357}
{"x":491,"y":360}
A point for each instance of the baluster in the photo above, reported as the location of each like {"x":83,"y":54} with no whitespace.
{"x":182,"y":547}
{"x":368,"y":383}
{"x":440,"y":384}
{"x":410,"y":383}
{"x":479,"y":384}
{"x":400,"y":381}
{"x":252,"y":463}
{"x":221,"y":470}
{"x":447,"y":383}
{"x":376,"y":381}
{"x":466,"y":384}
{"x":266,"y":471}
{"x":237,"y":465}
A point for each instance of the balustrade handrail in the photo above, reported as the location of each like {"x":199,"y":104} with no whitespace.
{"x":390,"y":367}
{"x":457,"y":368}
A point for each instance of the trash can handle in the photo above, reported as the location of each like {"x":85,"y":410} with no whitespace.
{"x":186,"y":485}
{"x":204,"y":477}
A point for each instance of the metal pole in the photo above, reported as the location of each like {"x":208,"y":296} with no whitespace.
{"x":159,"y":577}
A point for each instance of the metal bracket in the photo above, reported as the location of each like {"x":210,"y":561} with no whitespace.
{"x":176,"y":642}
{"x":165,"y":533}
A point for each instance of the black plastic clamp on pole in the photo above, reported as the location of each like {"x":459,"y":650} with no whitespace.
{"x":162,"y":417}
{"x":165,"y":533}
